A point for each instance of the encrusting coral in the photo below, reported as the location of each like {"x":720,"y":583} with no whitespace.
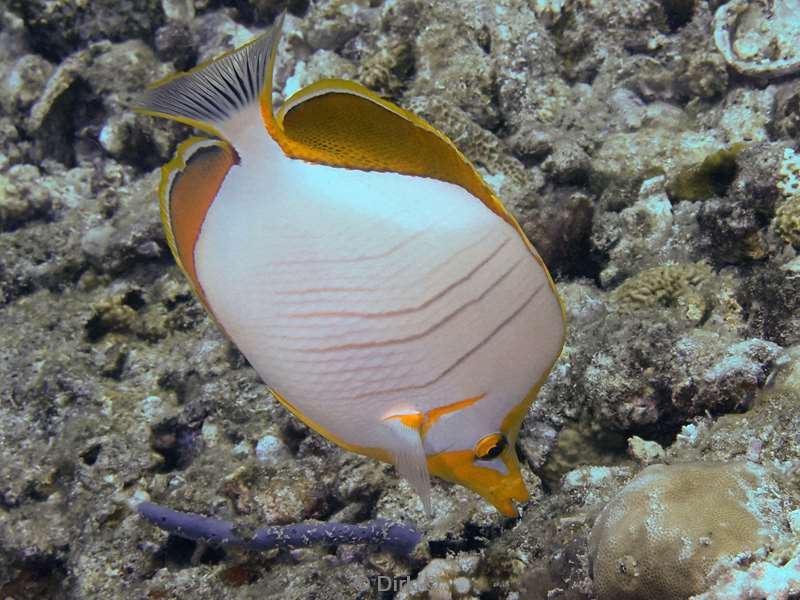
{"x":787,"y":216}
{"x":660,"y":537}
{"x":761,"y":580}
{"x":759,"y":42}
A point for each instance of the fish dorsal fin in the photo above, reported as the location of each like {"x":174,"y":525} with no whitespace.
{"x":341,"y":123}
{"x":213,"y":94}
{"x":405,"y":445}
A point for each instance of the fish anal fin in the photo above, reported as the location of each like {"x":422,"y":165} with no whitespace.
{"x":405,"y":444}
{"x":341,"y":123}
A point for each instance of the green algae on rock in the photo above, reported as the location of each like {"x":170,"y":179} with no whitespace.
{"x":712,"y":177}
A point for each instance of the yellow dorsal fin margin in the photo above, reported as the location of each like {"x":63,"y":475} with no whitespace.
{"x":342,"y":123}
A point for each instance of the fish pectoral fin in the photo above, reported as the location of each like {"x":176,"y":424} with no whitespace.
{"x":405,"y":444}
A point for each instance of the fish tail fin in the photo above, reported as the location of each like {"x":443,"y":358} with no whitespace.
{"x":409,"y":454}
{"x":212,"y":95}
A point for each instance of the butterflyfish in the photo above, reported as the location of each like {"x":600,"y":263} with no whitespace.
{"x":363,"y":267}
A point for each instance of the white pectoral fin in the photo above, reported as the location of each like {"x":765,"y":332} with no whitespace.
{"x":405,"y":444}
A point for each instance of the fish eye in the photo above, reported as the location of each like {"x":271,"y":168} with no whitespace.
{"x":490,"y":446}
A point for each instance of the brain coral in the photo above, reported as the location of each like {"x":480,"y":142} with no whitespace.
{"x":661,"y":535}
{"x":660,"y":285}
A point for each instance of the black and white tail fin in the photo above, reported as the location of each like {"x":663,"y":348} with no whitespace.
{"x":214,"y":95}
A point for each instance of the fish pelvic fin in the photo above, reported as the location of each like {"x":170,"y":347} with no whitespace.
{"x":212,"y":95}
{"x":405,"y":445}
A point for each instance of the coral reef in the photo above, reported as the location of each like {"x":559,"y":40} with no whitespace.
{"x":649,"y":150}
{"x":20,"y":201}
{"x":446,"y":578}
{"x":664,"y":285}
{"x":56,"y":27}
{"x":787,"y":111}
{"x":761,"y":580}
{"x":736,"y":224}
{"x":651,"y":232}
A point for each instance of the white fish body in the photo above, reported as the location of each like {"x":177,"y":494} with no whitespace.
{"x":394,"y":312}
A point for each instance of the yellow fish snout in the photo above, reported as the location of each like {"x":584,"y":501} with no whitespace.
{"x":499,"y":481}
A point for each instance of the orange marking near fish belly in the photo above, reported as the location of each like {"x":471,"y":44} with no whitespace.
{"x":423,"y":422}
{"x":192,"y":192}
{"x":410,"y":420}
{"x":435,"y":414}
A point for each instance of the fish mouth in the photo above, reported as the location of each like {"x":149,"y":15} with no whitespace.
{"x":520,"y":505}
{"x":510,"y":504}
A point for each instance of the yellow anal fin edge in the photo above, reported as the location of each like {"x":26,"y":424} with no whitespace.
{"x":376,"y":453}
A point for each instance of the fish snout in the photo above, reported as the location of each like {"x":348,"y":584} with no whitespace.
{"x":501,"y":489}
